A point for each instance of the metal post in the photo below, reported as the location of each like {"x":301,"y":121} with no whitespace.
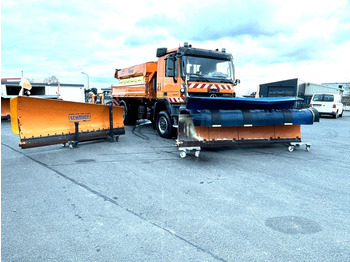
{"x":76,"y":134}
{"x":87,"y":79}
{"x":111,"y":134}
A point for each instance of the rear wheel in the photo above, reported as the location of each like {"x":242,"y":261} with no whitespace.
{"x":129,"y":114}
{"x":163,"y":125}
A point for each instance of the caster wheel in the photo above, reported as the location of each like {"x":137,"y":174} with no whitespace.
{"x":182,"y":154}
{"x":196,"y":154}
{"x":70,"y":146}
{"x":291,"y":148}
{"x":307,"y":148}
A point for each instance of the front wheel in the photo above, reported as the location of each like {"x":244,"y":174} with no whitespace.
{"x":163,"y":125}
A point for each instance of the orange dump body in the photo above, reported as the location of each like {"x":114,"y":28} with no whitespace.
{"x":136,"y":81}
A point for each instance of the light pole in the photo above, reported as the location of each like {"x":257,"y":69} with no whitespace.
{"x":87,"y":79}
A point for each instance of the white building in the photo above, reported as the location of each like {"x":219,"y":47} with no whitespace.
{"x":10,"y":87}
{"x":344,"y":86}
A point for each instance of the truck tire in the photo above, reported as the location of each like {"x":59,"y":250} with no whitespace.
{"x":164,"y":125}
{"x":129,"y":114}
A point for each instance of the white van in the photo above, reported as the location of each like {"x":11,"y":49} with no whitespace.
{"x":327,"y":104}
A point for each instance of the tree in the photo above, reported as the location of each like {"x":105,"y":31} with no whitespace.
{"x":51,"y":80}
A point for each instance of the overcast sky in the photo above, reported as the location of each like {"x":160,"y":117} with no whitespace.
{"x":270,"y":40}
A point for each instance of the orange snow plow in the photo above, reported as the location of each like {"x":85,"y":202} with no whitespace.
{"x":41,"y":122}
{"x":224,"y":121}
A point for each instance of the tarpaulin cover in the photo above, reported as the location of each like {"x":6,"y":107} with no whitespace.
{"x":232,"y":103}
{"x":137,"y":70}
{"x":237,"y":118}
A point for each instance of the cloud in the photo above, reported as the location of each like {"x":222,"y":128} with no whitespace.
{"x":203,"y":21}
{"x":63,"y":38}
{"x":142,"y":39}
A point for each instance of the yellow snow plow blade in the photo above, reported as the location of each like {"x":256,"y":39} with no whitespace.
{"x":41,"y":122}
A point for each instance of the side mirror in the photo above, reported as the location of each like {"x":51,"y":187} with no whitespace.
{"x":161,"y":51}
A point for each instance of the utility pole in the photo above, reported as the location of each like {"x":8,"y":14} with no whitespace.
{"x":88,"y":85}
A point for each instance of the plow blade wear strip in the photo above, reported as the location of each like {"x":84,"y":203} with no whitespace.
{"x":231,"y":103}
{"x":217,"y":118}
{"x":41,"y":122}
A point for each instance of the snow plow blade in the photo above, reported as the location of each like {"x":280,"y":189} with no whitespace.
{"x":237,"y":121}
{"x":41,"y":122}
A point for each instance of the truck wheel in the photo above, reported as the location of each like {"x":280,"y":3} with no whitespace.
{"x":129,"y":114}
{"x":163,"y":125}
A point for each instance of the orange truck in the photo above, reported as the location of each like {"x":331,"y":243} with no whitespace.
{"x":190,"y":93}
{"x":157,"y":90}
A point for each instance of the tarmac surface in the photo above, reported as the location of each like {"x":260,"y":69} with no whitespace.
{"x":137,"y":200}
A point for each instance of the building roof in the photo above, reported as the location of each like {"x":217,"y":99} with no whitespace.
{"x":16,"y":81}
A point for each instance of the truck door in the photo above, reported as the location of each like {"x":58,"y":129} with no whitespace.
{"x":169,"y":85}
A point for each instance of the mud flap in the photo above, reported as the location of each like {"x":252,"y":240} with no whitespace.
{"x":41,"y":122}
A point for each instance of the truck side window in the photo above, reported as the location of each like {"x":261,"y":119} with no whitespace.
{"x":171,"y":67}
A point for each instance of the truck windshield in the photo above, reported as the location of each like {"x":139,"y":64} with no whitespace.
{"x":207,"y":69}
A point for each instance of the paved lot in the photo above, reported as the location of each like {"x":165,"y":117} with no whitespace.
{"x":136,"y":200}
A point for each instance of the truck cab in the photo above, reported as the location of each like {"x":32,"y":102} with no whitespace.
{"x":327,"y":104}
{"x":200,"y":72}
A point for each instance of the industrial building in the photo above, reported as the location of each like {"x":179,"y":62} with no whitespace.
{"x":70,"y":92}
{"x":10,"y":87}
{"x":296,"y":87}
{"x":343,"y":85}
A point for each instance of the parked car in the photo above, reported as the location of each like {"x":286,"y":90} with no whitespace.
{"x":327,"y":104}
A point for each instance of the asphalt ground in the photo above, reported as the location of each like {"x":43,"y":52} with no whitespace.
{"x":137,"y":200}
